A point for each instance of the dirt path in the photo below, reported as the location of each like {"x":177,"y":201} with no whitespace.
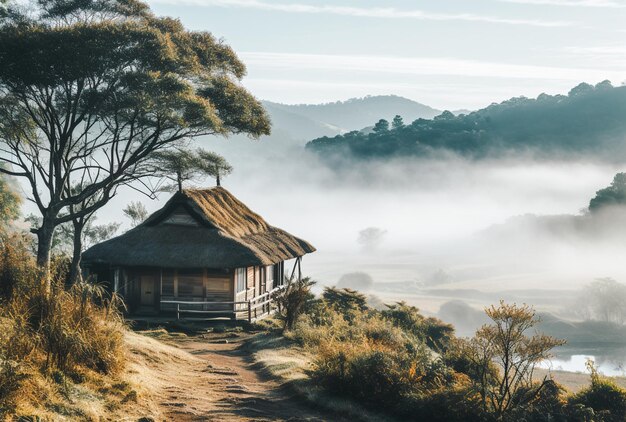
{"x":217,"y":383}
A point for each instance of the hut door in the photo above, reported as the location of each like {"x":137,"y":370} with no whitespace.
{"x":147,"y":290}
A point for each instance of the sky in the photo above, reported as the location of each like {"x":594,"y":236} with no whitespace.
{"x":449,"y":54}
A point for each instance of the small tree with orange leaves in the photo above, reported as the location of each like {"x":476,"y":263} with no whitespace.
{"x":506,"y":343}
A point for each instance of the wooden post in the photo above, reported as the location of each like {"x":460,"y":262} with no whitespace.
{"x":249,"y":311}
{"x":299,"y":268}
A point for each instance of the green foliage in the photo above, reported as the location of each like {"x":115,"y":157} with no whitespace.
{"x":435,"y":333}
{"x":615,"y":194}
{"x":607,"y":400}
{"x":371,"y":360}
{"x":588,"y":121}
{"x":397,"y":123}
{"x":548,"y":405}
{"x":382,"y":126}
{"x":414,"y":367}
{"x":10,"y":203}
{"x":346,"y":301}
{"x":182,"y":165}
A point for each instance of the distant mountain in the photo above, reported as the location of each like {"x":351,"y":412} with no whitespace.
{"x":297,"y":125}
{"x":343,"y":116}
{"x":294,"y":125}
{"x":590,"y":121}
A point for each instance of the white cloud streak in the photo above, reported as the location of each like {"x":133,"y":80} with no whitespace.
{"x":571,"y":3}
{"x":424,"y":66}
{"x":372,"y":12}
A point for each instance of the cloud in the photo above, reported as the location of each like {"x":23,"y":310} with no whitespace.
{"x":369,"y":12}
{"x":604,"y":55}
{"x":423,"y":66}
{"x":571,"y":3}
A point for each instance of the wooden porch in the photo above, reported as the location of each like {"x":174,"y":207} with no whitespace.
{"x":249,"y":310}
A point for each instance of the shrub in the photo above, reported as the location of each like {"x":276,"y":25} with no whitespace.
{"x":455,"y":403}
{"x":547,"y":405}
{"x":370,"y":359}
{"x":607,"y":399}
{"x":434,"y":332}
{"x":379,"y":376}
{"x":346,"y":301}
{"x":293,"y":300}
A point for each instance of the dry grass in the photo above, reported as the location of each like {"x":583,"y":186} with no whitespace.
{"x":62,"y":354}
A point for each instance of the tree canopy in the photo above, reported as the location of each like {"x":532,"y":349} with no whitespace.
{"x":90,"y":89}
{"x":615,"y":194}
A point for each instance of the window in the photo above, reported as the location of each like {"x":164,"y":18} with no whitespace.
{"x":190,"y":283}
{"x":242,"y":278}
{"x":167,"y":283}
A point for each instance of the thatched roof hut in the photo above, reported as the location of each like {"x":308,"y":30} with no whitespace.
{"x":204,"y":246}
{"x":221,"y":233}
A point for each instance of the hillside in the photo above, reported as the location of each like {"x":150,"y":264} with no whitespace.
{"x":589,"y":121}
{"x":342,"y":116}
{"x":294,"y":125}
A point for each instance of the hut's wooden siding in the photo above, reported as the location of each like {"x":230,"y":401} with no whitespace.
{"x":199,"y":285}
{"x":259,"y":280}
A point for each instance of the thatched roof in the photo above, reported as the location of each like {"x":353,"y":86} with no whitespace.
{"x":223,"y":233}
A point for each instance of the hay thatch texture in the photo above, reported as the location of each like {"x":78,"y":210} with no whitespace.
{"x":228,"y":235}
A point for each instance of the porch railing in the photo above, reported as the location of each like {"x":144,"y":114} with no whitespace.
{"x":253,"y":308}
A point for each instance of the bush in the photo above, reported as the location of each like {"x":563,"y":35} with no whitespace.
{"x":369,"y":359}
{"x":346,"y":301}
{"x":293,"y":300}
{"x":435,"y":333}
{"x":378,"y":376}
{"x":607,"y":400}
{"x":456,"y":403}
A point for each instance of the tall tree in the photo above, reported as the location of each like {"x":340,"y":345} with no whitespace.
{"x":381,"y":126}
{"x":90,"y":89}
{"x":397,"y":122}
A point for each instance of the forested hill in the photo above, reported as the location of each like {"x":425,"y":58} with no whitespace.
{"x":590,"y":120}
{"x":341,"y":116}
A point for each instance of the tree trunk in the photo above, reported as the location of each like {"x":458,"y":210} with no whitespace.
{"x":45,"y":234}
{"x":75,"y":271}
